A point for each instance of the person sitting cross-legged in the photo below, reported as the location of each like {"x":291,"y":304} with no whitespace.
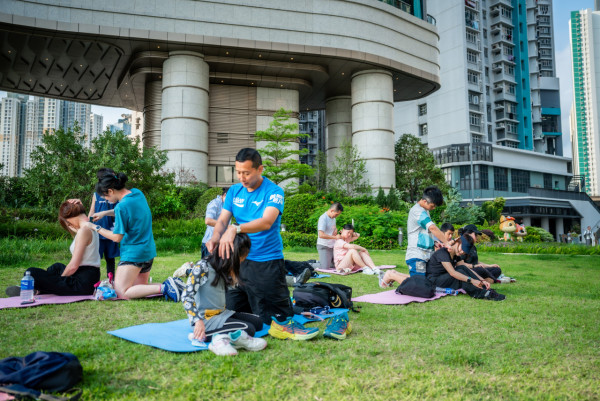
{"x":349,"y":257}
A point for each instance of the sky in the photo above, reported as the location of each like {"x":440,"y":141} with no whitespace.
{"x":562,"y":13}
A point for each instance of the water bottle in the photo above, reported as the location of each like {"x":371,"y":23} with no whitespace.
{"x":448,"y":291}
{"x":27,"y":288}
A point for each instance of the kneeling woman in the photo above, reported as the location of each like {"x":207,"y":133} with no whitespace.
{"x":204,"y":302}
{"x":442,"y":271}
{"x":83,"y":271}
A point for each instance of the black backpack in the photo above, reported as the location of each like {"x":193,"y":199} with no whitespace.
{"x":48,"y":371}
{"x":417,"y":286}
{"x":318,"y":293}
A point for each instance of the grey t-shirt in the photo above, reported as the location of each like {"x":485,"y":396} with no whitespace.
{"x":327,"y":225}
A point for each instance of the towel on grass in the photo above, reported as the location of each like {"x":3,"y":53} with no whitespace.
{"x":333,"y":271}
{"x":169,"y":336}
{"x":392,"y":298}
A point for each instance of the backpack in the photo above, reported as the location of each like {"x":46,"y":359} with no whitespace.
{"x":309,"y":295}
{"x":417,"y":286}
{"x":297,"y":267}
{"x":49,"y":371}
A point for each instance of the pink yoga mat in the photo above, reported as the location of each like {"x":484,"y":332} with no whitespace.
{"x":333,"y":271}
{"x":391,"y":298}
{"x":45,"y":299}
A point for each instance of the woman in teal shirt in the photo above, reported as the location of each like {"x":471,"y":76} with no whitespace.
{"x":133,"y":230}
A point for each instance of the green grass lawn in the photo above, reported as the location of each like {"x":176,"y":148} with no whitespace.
{"x":543,"y":342}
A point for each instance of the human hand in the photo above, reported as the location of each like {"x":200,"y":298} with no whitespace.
{"x":199,"y":331}
{"x":97,"y":216}
{"x":485,"y":284}
{"x":211,"y":245}
{"x":226,"y":243}
{"x":74,"y":201}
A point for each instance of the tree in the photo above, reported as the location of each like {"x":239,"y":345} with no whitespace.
{"x":277,"y":153}
{"x":347,"y":175}
{"x":493,"y":210}
{"x":415,"y":169}
{"x":461,"y":215}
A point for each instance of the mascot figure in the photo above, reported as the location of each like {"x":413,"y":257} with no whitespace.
{"x":509,"y":226}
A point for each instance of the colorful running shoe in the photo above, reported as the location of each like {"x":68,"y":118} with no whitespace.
{"x":289,"y":328}
{"x":337,"y":327}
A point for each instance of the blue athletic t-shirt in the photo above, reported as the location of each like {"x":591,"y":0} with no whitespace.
{"x":248,"y":206}
{"x":133,"y":219}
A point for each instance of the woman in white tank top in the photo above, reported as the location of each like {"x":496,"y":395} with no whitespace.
{"x":83,"y":270}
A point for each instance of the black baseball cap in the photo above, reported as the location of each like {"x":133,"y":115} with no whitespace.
{"x":471,"y":228}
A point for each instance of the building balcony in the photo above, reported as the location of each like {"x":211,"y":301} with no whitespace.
{"x":472,"y":4}
{"x":507,"y":3}
{"x":500,"y":19}
{"x":472,"y":24}
{"x":499,"y":56}
{"x":474,"y":45}
{"x":475,"y":66}
{"x":475,"y":107}
{"x":503,"y":95}
{"x":476,"y":128}
{"x":502,"y":135}
{"x":503,"y":76}
{"x":477,"y":87}
{"x":503,"y":116}
{"x":499,"y":37}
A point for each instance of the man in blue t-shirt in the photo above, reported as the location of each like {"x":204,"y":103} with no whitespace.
{"x":257,"y":205}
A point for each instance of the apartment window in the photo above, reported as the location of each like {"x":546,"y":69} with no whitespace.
{"x":510,"y":70}
{"x":547,"y":181}
{"x":511,"y":128}
{"x":474,"y":119}
{"x":482,"y":171}
{"x":473,"y":77}
{"x":519,"y":180}
{"x":423,"y":129}
{"x":465,"y":177}
{"x":422,"y":109}
{"x":471,"y":57}
{"x":507,"y":50}
{"x":506,"y":12}
{"x":471,"y":37}
{"x":510,"y":88}
{"x":500,"y":179}
{"x":222,"y":138}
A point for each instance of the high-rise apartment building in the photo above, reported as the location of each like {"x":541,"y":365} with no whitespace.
{"x":96,"y":128}
{"x":494,"y":126}
{"x":585,"y":123}
{"x":11,"y":116}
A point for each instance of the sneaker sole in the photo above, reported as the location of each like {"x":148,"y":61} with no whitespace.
{"x":335,"y":336}
{"x":249,"y":349}
{"x":284,"y":335}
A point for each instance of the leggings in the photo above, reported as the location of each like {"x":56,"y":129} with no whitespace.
{"x":50,"y":281}
{"x":238,"y":321}
{"x":447,"y":281}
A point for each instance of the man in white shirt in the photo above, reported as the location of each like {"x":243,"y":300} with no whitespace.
{"x":328,"y":233}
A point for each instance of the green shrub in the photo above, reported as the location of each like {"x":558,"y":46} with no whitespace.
{"x":190,"y":195}
{"x":169,"y":228}
{"x":295,"y":239}
{"x":168,"y":204}
{"x":537,"y":234}
{"x":207,"y":196}
{"x":554,"y":248}
{"x":296,"y":210}
{"x":29,"y":213}
{"x":32,"y":229}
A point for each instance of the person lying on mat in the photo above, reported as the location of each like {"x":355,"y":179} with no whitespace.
{"x":349,"y":257}
{"x":443,"y":272}
{"x":204,"y":302}
{"x":83,"y":271}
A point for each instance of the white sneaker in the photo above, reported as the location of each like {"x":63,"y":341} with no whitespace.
{"x":241,"y":339}
{"x":376,"y":271}
{"x":183,"y":270}
{"x":368,"y":270}
{"x":382,"y":282}
{"x":220,"y":345}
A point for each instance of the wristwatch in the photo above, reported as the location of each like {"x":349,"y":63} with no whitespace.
{"x":97,"y":228}
{"x":469,"y":280}
{"x":238,"y":228}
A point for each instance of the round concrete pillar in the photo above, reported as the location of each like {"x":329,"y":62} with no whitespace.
{"x":152,"y":114}
{"x":184,"y":122}
{"x":372,"y":125}
{"x":338,"y":120}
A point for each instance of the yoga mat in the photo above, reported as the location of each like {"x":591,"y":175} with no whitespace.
{"x":333,"y":271}
{"x":169,"y":336}
{"x":44,"y":299}
{"x":49,"y":299}
{"x":391,"y":298}
{"x":303,"y":320}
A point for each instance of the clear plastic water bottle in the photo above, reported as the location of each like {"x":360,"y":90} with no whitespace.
{"x":448,"y":291}
{"x":27,"y":288}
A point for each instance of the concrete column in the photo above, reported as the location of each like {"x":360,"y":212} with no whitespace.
{"x":372,"y":125}
{"x":527,"y":221}
{"x":338,"y":116}
{"x":152,"y":114}
{"x":560,"y":228}
{"x":546,"y":223}
{"x":184,"y":122}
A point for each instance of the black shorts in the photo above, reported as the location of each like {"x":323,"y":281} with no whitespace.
{"x":145,"y":266}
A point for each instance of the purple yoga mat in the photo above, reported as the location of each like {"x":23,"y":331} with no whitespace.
{"x":333,"y":271}
{"x":391,"y":298}
{"x":45,"y":299}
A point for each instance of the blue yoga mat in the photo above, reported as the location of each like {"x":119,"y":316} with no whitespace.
{"x":303,"y":320}
{"x":170,"y":336}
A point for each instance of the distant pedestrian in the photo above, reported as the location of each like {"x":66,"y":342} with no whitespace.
{"x":587,"y":235}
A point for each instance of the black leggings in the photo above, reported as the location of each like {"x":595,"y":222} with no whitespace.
{"x":447,"y":281}
{"x":50,"y":281}
{"x":238,"y":321}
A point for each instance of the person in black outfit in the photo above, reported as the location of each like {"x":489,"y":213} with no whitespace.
{"x":442,"y":271}
{"x":490,"y":273}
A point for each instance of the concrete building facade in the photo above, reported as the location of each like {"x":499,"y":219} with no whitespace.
{"x":585,"y":122}
{"x":208,"y":75}
{"x":494,"y":126}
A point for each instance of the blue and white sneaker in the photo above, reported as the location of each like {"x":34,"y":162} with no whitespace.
{"x":337,"y":327}
{"x":172,"y":289}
